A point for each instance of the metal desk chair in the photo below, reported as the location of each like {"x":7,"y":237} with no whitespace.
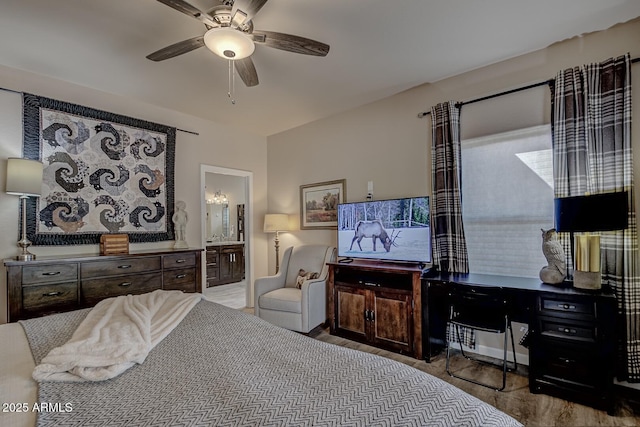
{"x":481,"y":308}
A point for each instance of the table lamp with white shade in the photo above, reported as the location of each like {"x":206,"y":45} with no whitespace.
{"x":24,"y":179}
{"x":274,"y":223}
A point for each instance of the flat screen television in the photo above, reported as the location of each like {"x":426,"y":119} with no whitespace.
{"x":387,"y":230}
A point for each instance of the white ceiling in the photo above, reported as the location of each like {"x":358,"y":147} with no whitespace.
{"x":378,"y":48}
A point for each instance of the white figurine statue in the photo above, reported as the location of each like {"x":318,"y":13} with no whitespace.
{"x":180,"y":219}
{"x":556,"y":270}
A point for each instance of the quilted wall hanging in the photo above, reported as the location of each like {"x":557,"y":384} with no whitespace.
{"x":103,"y":173}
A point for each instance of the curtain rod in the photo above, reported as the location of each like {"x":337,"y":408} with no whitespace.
{"x":507,"y":92}
{"x":22,"y":93}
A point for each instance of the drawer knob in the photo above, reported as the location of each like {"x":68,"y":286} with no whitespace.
{"x":125,"y":284}
{"x":51,"y":273}
{"x":180,"y":276}
{"x":567,"y":330}
{"x":124,"y":266}
{"x":52,"y":294}
{"x":566,"y":306}
{"x":180,"y":261}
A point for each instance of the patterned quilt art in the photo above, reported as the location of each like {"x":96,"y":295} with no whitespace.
{"x":103,"y":173}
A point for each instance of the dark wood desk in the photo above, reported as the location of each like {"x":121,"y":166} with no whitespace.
{"x":571,"y":332}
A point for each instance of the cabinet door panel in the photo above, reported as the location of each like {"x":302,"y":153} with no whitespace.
{"x":393,"y":321}
{"x":350,"y":307}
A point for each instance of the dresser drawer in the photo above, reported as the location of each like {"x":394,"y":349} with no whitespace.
{"x":577,"y":308}
{"x":48,"y":273}
{"x":182,"y":279}
{"x":575,"y":365}
{"x":45,"y":297}
{"x":180,"y":260}
{"x":119,"y":266}
{"x":94,"y":290}
{"x":560,"y":328}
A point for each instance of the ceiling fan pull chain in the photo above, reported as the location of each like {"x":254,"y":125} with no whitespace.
{"x":232,"y":83}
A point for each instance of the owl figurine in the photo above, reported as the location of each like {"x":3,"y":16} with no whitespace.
{"x":556,"y":270}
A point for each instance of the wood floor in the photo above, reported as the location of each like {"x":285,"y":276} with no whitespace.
{"x":530,"y":409}
{"x":231,"y":295}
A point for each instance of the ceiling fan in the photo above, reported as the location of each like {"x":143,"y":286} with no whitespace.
{"x":230,"y":35}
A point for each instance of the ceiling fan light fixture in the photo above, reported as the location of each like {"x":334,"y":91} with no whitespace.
{"x":228,"y":43}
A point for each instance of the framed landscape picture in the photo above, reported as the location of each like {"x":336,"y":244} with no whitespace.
{"x":319,"y":204}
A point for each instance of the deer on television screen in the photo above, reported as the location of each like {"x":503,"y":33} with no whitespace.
{"x":374,"y":230}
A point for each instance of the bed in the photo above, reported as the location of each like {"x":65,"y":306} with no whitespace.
{"x":223,"y":367}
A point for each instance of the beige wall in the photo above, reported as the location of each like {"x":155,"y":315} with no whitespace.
{"x":215,"y":145}
{"x":386,"y":143}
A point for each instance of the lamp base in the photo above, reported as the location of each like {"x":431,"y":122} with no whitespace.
{"x":26,"y":257}
{"x":587,"y":280}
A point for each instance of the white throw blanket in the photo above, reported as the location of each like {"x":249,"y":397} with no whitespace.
{"x":118,"y":333}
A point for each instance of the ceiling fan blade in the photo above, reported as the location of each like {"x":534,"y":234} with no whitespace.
{"x":177,"y":49}
{"x":247,"y":71}
{"x":188,"y":9}
{"x":290,"y":43}
{"x":248,"y":8}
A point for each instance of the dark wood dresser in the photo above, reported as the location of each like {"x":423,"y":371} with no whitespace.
{"x":62,"y":283}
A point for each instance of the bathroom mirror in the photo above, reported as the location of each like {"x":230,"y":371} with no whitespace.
{"x":217,"y":222}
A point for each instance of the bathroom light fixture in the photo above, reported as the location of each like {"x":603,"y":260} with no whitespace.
{"x":218,"y":199}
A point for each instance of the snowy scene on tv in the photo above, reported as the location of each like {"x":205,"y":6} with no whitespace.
{"x":395,"y":230}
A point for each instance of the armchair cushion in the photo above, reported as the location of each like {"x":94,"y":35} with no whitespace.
{"x":282,"y":299}
{"x":304,"y":275}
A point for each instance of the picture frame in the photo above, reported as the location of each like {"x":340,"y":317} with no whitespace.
{"x":319,"y":204}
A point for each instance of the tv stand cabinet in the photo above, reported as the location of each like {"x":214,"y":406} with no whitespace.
{"x":378,"y":304}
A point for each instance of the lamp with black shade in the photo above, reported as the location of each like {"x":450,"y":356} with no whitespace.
{"x":585,"y":215}
{"x":24,"y":179}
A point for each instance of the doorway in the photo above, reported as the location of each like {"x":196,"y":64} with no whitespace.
{"x":235,"y":221}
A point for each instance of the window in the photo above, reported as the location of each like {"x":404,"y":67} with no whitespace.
{"x":507,"y":197}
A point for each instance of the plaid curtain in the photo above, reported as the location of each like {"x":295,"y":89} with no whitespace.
{"x":449,"y":246}
{"x":592,"y":154}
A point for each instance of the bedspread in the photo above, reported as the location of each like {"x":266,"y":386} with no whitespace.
{"x":223,"y":367}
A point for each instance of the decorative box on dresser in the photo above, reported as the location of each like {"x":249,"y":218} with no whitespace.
{"x":378,"y":304}
{"x":63,"y":283}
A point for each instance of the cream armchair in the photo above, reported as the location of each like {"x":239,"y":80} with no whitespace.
{"x":278,"y":300}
